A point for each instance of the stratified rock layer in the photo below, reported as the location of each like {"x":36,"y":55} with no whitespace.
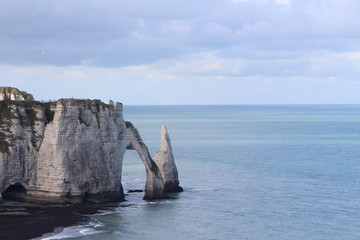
{"x":164,"y":158}
{"x":9,"y":93}
{"x":69,"y":151}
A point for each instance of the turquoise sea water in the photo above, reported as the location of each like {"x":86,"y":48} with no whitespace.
{"x":249,"y":173}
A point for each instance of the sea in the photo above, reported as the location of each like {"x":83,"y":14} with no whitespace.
{"x":249,"y":172}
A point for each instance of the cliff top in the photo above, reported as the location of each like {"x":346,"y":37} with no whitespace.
{"x":10,"y":93}
{"x":84,"y":102}
{"x":14,"y":94}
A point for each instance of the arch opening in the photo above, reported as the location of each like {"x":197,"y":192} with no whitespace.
{"x":133,"y":175}
{"x":15,"y":192}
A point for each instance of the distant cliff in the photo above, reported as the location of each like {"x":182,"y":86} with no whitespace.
{"x":69,"y":151}
{"x":9,"y":93}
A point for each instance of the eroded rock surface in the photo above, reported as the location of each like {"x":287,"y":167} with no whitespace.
{"x":164,"y":159}
{"x":70,"y":151}
{"x":9,"y":93}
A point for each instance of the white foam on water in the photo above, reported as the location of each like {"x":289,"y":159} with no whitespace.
{"x":104,"y":213}
{"x":202,"y":189}
{"x":74,"y":231}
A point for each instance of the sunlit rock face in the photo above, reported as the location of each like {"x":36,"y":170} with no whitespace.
{"x":164,"y":158}
{"x":82,"y":151}
{"x":69,"y":151}
{"x":154,"y":187}
{"x":9,"y":93}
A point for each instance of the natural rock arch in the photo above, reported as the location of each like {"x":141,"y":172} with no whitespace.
{"x":71,"y":151}
{"x":161,"y":174}
{"x":154,"y":186}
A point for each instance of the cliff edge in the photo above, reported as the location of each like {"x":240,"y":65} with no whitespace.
{"x":68,"y":151}
{"x":10,"y":93}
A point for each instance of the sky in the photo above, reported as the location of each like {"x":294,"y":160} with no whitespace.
{"x":165,"y":52}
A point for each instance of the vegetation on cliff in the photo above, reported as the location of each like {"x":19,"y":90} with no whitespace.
{"x":7,"y":91}
{"x":9,"y":110}
{"x":25,"y":114}
{"x":4,"y":145}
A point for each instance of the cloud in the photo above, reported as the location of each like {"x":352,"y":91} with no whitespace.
{"x":201,"y":78}
{"x":282,"y":1}
{"x":118,"y":33}
{"x":138,"y":45}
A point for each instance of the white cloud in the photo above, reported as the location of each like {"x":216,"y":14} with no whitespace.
{"x":167,"y":45}
{"x":119,"y":33}
{"x":282,"y":1}
{"x":197,"y":78}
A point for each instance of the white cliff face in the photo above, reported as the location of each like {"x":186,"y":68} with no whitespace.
{"x":82,"y":152}
{"x":20,"y":138}
{"x":11,"y":96}
{"x":154,"y":187}
{"x":164,"y":159}
{"x":9,"y":93}
{"x":69,"y":151}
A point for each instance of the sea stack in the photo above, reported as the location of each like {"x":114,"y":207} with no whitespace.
{"x":164,"y":158}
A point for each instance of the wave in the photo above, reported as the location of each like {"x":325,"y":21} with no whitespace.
{"x":74,"y":231}
{"x":201,"y":189}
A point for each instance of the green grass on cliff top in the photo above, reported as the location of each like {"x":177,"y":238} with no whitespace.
{"x":11,"y":90}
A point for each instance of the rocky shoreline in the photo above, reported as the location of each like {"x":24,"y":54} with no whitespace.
{"x":21,"y":221}
{"x":69,"y":152}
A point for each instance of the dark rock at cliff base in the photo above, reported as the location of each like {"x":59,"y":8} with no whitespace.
{"x":135,"y":191}
{"x":173,"y":189}
{"x":15,"y":214}
{"x":31,"y":221}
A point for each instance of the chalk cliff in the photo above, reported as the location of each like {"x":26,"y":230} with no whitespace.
{"x":69,"y":151}
{"x":9,"y":93}
{"x":164,"y":158}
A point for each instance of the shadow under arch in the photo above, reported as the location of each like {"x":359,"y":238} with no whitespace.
{"x":15,"y":192}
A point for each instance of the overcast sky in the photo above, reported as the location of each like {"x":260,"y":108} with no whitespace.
{"x":183,"y":51}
